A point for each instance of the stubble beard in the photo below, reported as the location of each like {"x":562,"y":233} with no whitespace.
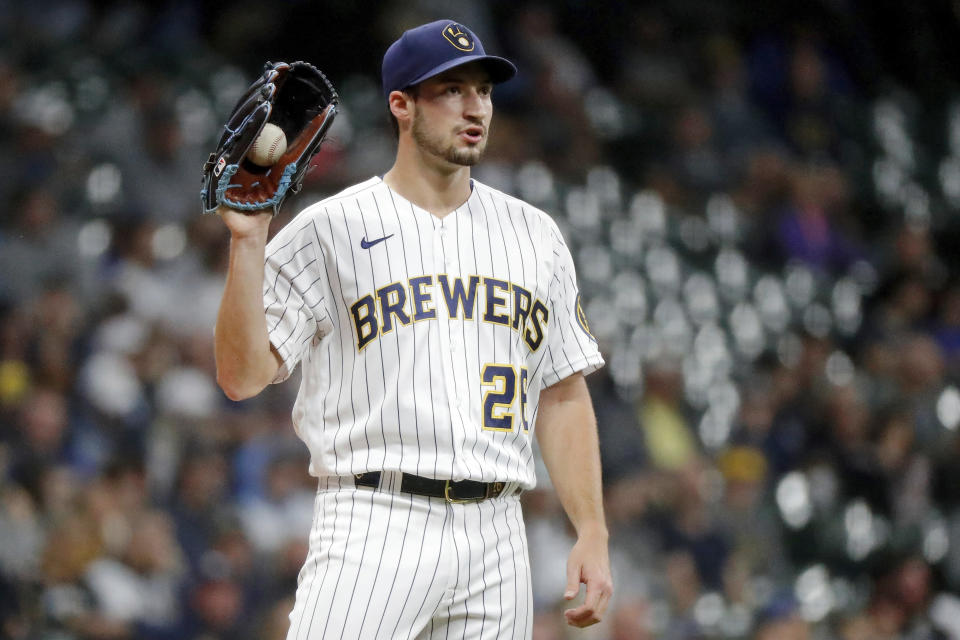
{"x":434,"y":144}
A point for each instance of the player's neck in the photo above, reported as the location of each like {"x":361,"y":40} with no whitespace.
{"x":436,"y":187}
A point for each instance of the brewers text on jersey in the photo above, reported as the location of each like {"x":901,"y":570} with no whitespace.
{"x":503,"y":303}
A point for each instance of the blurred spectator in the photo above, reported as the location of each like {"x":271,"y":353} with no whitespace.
{"x":160,"y":168}
{"x":199,"y":504}
{"x":622,"y":441}
{"x":810,"y":228}
{"x":140,"y":585}
{"x":285,"y":511}
{"x":653,"y":71}
{"x":276,"y":622}
{"x":920,"y":378}
{"x":559,"y":74}
{"x":630,"y":619}
{"x":739,"y":126}
{"x":691,"y":528}
{"x":946,"y":330}
{"x":904,"y":474}
{"x":669,"y":442}
{"x":696,"y":162}
{"x":68,"y":604}
{"x":38,"y":246}
{"x":803,"y":89}
{"x":782,"y":621}
{"x":216,"y":611}
{"x":683,"y":589}
{"x":749,"y":520}
{"x":21,"y":529}
{"x":41,"y":438}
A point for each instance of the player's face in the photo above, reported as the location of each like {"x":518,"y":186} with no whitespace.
{"x":452,"y":114}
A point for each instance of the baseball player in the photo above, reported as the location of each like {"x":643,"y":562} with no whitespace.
{"x":438,"y":327}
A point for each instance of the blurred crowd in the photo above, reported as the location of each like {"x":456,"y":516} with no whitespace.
{"x":764,"y":214}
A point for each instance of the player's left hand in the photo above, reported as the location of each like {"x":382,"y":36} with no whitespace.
{"x":589,"y":564}
{"x":301,"y":103}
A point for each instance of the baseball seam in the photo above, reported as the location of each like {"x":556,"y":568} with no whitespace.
{"x":273,"y":148}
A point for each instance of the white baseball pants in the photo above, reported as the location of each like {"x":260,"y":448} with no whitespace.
{"x":385,"y":564}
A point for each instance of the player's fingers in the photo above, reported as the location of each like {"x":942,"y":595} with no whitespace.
{"x":581,"y":617}
{"x":593,"y":595}
{"x":573,"y":581}
{"x":602,"y":604}
{"x":594,"y":606}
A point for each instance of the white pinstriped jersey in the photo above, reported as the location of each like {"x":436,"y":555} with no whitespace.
{"x":424,"y":342}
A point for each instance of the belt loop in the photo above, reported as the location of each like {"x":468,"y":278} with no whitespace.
{"x":509,"y":489}
{"x":396,"y":481}
{"x":390,"y":481}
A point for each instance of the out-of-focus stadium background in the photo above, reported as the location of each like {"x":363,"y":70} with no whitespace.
{"x":764,"y":207}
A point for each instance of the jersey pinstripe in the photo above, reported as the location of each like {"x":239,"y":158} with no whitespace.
{"x":424,"y":342}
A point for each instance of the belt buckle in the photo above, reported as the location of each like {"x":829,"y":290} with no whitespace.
{"x":449,"y":497}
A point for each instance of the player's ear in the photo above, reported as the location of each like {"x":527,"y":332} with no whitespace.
{"x":401,"y":105}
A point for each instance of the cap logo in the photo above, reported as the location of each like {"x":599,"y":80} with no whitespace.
{"x":457,"y":36}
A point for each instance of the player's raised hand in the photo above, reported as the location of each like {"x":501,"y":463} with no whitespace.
{"x":588,"y":564}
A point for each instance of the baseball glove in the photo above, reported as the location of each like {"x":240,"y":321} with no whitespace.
{"x":300,"y":100}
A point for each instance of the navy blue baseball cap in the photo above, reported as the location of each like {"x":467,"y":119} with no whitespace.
{"x":432,"y":48}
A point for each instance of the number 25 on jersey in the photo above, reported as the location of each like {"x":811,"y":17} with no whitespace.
{"x":502,"y":383}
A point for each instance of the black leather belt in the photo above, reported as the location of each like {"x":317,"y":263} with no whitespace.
{"x":451,"y":491}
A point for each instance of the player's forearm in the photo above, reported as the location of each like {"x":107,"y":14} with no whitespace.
{"x":567,"y":433}
{"x":245,"y":362}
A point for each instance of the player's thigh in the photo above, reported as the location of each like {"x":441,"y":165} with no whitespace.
{"x":493,"y":595}
{"x":371,"y":569}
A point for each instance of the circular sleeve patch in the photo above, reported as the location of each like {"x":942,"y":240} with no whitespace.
{"x":582,"y":318}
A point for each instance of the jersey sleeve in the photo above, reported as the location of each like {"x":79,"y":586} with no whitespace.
{"x":294,"y":293}
{"x":570,"y":346}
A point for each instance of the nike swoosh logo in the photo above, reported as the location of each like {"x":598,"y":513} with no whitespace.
{"x":364,"y":244}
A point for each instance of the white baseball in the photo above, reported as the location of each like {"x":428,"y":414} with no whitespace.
{"x":268,"y":147}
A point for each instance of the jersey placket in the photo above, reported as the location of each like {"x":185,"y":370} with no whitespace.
{"x":451,"y":342}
